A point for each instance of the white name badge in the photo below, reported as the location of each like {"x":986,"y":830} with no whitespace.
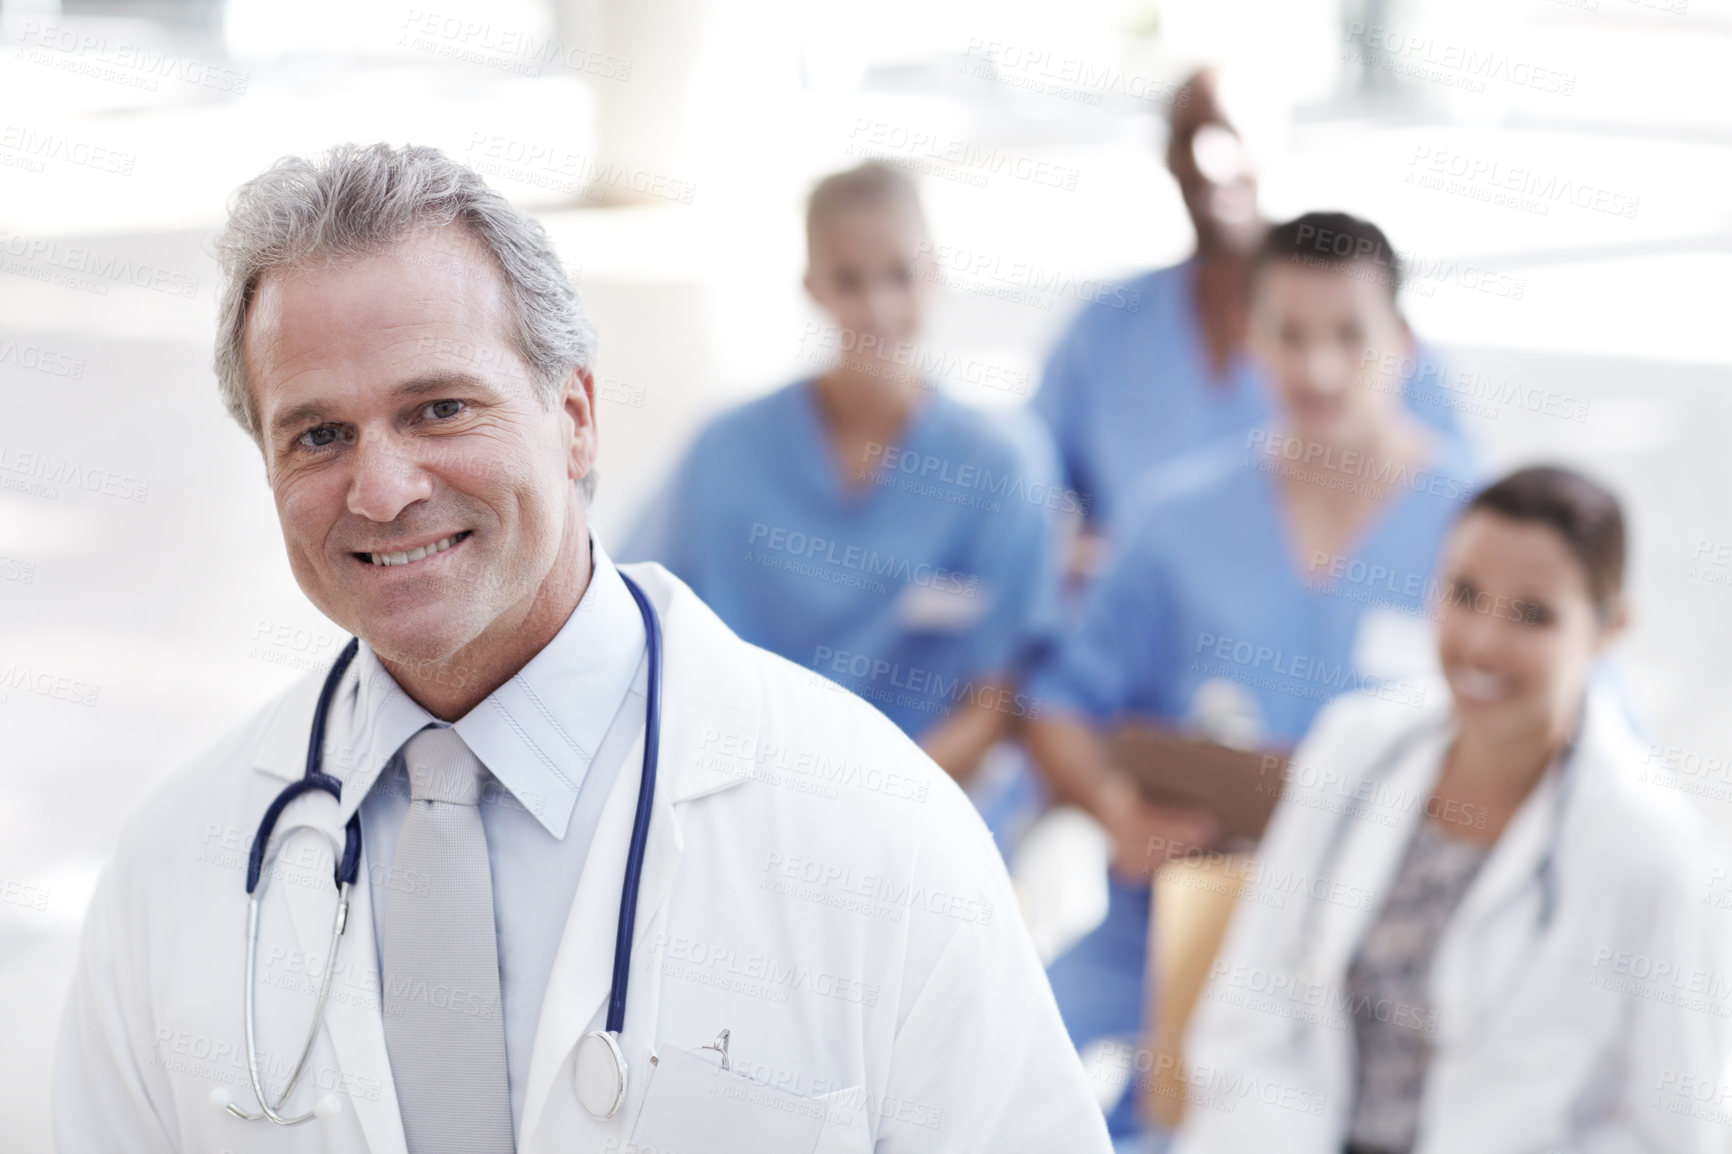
{"x":928,"y":608}
{"x":693,"y":1106}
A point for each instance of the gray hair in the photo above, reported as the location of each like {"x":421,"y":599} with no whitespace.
{"x":360,"y":199}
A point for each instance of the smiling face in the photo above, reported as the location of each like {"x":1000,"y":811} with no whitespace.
{"x":1519,"y":630}
{"x":1332,"y":340}
{"x":1217,"y":177}
{"x":866,"y":265}
{"x":425,"y":489}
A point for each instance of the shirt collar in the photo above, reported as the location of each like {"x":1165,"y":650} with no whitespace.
{"x":538,"y":732}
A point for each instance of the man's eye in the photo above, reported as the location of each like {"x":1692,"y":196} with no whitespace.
{"x":319,"y":437}
{"x":445,"y":409}
{"x":1532,"y":613}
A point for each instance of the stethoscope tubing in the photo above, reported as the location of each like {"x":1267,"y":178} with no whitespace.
{"x":347,"y":867}
{"x":641,"y":820}
{"x":340,"y":921}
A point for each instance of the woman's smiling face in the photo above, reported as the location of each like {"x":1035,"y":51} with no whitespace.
{"x":1519,"y":629}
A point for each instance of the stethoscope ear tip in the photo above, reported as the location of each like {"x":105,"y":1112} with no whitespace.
{"x":220,"y":1098}
{"x":328,"y":1106}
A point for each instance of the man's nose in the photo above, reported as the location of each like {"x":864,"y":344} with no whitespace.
{"x":386,"y":478}
{"x":883,"y":307}
{"x":1324,"y":370}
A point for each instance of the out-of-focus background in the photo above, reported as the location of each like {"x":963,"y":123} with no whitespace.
{"x":1555,"y":172}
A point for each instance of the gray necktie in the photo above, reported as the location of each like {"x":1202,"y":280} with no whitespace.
{"x":443,"y":1027}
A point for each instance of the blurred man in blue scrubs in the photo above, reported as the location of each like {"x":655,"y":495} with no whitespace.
{"x":1161,"y":368}
{"x":863,"y":524}
{"x":1250,"y":581}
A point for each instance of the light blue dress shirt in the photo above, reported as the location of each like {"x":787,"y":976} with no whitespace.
{"x":1131,"y":385}
{"x":553,"y":738}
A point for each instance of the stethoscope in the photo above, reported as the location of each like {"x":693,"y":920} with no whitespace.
{"x":601,"y":1066}
{"x":1305,"y":942}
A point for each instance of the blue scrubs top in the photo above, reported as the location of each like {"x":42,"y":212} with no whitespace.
{"x":1131,"y":385}
{"x":1203,"y":621}
{"x":916,"y":592}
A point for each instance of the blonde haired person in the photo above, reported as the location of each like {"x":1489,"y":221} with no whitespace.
{"x":862,"y":523}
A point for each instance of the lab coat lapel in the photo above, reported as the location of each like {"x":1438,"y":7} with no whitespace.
{"x":353,"y":1020}
{"x":1532,"y":830}
{"x":1373,"y":845}
{"x":1495,"y":930}
{"x":1472,"y":966}
{"x":703,"y":693}
{"x":582,"y":974}
{"x":1515,"y":857}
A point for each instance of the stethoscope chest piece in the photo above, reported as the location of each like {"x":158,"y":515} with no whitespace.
{"x":600,"y":1074}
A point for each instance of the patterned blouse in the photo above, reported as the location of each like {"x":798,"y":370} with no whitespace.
{"x":1388,"y":988}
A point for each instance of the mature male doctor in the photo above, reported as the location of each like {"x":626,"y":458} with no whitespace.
{"x":825,"y":953}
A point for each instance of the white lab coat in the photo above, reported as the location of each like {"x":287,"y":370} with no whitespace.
{"x":1607,"y":1033}
{"x":885,"y":977}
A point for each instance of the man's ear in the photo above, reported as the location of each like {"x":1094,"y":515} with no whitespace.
{"x":1614,"y":625}
{"x":577,"y":400}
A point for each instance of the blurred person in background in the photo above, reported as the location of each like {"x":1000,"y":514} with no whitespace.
{"x":1514,"y":956}
{"x":1249,"y":582}
{"x":1147,"y":374}
{"x":863,"y":524}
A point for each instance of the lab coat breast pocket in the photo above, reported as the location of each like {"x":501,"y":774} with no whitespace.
{"x":693,"y":1106}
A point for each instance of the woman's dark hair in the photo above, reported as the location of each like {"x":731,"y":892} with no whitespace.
{"x":1336,"y":242}
{"x":1585,"y":513}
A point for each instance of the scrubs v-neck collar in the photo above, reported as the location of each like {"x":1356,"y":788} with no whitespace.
{"x":817,"y":450}
{"x":1446,"y":459}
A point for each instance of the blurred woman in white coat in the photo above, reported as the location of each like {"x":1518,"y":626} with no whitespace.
{"x":1487,"y":924}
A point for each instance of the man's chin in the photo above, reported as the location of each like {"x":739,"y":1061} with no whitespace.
{"x":422,"y":636}
{"x":1325,"y":426}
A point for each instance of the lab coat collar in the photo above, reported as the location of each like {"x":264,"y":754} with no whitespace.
{"x":1541,"y":823}
{"x":537,"y":733}
{"x":1464,"y":991}
{"x":722,"y":709}
{"x":1371,"y":846}
{"x":1496,"y":931}
{"x":711,"y":709}
{"x":1372,"y":853}
{"x":1471,"y":967}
